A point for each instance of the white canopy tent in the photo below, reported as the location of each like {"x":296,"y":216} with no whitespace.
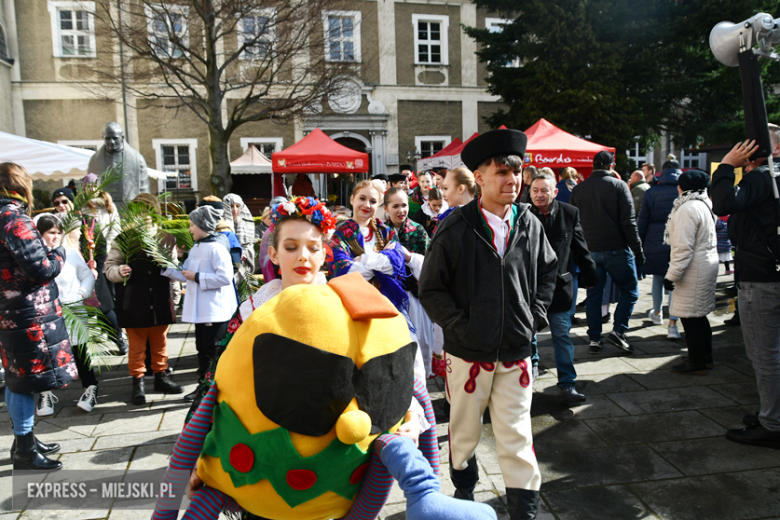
{"x":252,"y":161}
{"x":49,"y":161}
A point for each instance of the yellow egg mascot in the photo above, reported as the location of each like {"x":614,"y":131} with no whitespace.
{"x":306,"y":386}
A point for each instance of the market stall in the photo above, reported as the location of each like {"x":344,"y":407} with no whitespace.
{"x":316,"y":154}
{"x":253,"y":179}
{"x":550,"y":146}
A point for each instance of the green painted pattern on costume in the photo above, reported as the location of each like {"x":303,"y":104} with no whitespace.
{"x":275,"y":455}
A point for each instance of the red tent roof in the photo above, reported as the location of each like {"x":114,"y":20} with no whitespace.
{"x":548,"y":145}
{"x":318,"y":153}
{"x":447,"y":149}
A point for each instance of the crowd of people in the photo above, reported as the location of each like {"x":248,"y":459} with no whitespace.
{"x":478,"y":260}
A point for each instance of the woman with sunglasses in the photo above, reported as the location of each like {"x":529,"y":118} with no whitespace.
{"x":299,"y":251}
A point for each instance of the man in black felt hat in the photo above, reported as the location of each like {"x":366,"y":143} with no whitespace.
{"x":609,"y":222}
{"x":398,"y":180}
{"x":487,"y":280}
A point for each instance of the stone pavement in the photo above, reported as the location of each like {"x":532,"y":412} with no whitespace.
{"x":647,"y":444}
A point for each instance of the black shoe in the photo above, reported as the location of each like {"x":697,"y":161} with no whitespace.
{"x":619,"y":340}
{"x":121,"y":347}
{"x":464,"y":494}
{"x":696,"y":369}
{"x":755,"y":435}
{"x":26,"y":456}
{"x":570,"y":395}
{"x":139,"y":395}
{"x":595,"y":347}
{"x":575,"y":321}
{"x":750,"y":419}
{"x":522,"y":504}
{"x":194,"y":394}
{"x":43,"y":449}
{"x":606,"y":318}
{"x":710,"y":365}
{"x":162,"y":383}
{"x":734,"y":321}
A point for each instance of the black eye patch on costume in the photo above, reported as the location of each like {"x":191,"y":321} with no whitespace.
{"x":305,"y":389}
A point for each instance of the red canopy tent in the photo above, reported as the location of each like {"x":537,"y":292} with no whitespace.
{"x":454,"y":159}
{"x":550,"y":146}
{"x":439,"y":159}
{"x":316,"y":153}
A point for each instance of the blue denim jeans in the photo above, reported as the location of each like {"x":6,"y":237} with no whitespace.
{"x":560,"y":325}
{"x":620,"y":265}
{"x":21,"y":408}
{"x":658,"y":295}
{"x":759,"y":310}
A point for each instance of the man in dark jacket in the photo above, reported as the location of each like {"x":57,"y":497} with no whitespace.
{"x":753,"y":230}
{"x":487,"y":280}
{"x":561,"y":223}
{"x":609,"y":223}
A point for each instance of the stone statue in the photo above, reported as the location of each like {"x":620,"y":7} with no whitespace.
{"x":116,"y":152}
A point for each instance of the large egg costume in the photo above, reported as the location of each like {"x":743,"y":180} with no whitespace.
{"x":305,"y":386}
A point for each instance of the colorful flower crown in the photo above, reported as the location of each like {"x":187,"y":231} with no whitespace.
{"x":309,"y":208}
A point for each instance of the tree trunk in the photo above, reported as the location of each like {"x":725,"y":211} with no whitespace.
{"x":221,"y":183}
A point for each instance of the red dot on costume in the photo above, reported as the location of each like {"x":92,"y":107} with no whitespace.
{"x":242,"y":458}
{"x":358,"y":474}
{"x":301,"y":479}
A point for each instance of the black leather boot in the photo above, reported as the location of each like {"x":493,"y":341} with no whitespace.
{"x":192,"y":395}
{"x":28,"y":457}
{"x":43,"y":449}
{"x":465,"y":480}
{"x":523,"y":504}
{"x":163,"y":383}
{"x":139,"y":395}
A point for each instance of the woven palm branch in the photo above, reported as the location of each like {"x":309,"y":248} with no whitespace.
{"x":72,"y":218}
{"x":96,"y":338}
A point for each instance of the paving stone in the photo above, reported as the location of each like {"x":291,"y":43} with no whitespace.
{"x":9,"y":516}
{"x":603,"y":365}
{"x":665,"y":378}
{"x":565,"y":435}
{"x":658,"y":345}
{"x":642,"y":429}
{"x":152,"y":456}
{"x":595,"y":406}
{"x":672,"y":399}
{"x":729,"y":416}
{"x":656,"y":362}
{"x":135,"y":421}
{"x":736,"y":496}
{"x":602,"y":466}
{"x":716,"y":455}
{"x":136,"y":439}
{"x":596,"y":384}
{"x":109,"y":459}
{"x":589,"y":504}
{"x":743,"y":393}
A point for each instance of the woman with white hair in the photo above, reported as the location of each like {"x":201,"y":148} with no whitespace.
{"x":237,"y":213}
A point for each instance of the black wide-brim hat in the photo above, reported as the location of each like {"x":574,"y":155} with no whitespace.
{"x":381,"y":177}
{"x":397,"y":177}
{"x":491,"y":144}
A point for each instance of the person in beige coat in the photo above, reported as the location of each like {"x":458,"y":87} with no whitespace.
{"x":693,"y":268}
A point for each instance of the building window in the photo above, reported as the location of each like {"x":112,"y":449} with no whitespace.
{"x":177,"y":156}
{"x":73,"y":29}
{"x":496,"y":25}
{"x":167,"y":29}
{"x":342,"y":35}
{"x":4,"y":54}
{"x":692,"y":160}
{"x":640,"y":155}
{"x":430,"y":39}
{"x":266,"y":145}
{"x":256,"y":31}
{"x":431,"y":144}
{"x":90,"y":144}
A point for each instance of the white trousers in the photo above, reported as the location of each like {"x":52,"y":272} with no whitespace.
{"x":471,"y":387}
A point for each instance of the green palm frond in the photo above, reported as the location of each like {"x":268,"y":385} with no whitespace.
{"x":247,"y":286}
{"x":89,"y":328}
{"x":72,"y":219}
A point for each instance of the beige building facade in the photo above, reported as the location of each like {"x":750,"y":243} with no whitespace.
{"x":418,"y":85}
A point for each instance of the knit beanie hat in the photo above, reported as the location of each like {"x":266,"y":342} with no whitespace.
{"x":59,"y":192}
{"x":88,"y":179}
{"x":693,"y":180}
{"x":206,"y":218}
{"x":149,"y":200}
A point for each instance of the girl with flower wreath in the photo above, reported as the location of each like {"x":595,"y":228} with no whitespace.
{"x":366,"y":245}
{"x":415,"y":241}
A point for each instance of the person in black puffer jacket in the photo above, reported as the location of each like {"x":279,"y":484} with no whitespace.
{"x":34,"y":343}
{"x":651,"y":222}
